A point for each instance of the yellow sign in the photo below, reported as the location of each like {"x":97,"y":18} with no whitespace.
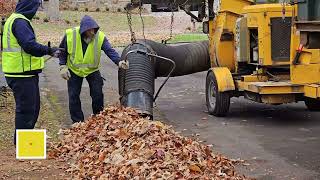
{"x":31,"y":144}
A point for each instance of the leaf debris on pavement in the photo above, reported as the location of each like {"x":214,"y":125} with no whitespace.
{"x":119,"y":144}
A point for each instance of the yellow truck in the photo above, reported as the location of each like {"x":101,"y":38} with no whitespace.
{"x":267,"y":53}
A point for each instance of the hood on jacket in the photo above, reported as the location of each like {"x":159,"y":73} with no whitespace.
{"x":28,"y":8}
{"x":87,"y":23}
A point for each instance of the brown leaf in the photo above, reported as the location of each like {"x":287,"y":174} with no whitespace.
{"x":102,"y":156}
{"x":195,"y":168}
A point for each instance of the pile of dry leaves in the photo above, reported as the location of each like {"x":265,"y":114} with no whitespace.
{"x":118,"y":144}
{"x":7,"y":7}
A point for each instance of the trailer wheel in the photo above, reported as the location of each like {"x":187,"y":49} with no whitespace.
{"x":218,"y":103}
{"x":312,"y":104}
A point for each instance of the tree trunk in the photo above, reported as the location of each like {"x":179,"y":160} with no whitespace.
{"x":53,"y":10}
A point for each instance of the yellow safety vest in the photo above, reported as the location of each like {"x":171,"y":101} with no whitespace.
{"x":16,"y":62}
{"x":79,"y":63}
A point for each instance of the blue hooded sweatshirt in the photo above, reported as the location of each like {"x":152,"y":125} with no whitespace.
{"x":23,"y":31}
{"x":88,"y":23}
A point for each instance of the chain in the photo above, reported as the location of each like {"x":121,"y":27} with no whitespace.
{"x":283,"y":3}
{"x":132,"y":33}
{"x":129,"y":18}
{"x":142,"y":21}
{"x":171,"y":25}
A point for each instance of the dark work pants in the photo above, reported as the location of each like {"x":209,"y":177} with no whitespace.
{"x":74,"y":89}
{"x":27,"y":98}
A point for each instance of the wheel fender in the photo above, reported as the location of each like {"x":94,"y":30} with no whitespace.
{"x":223,"y":78}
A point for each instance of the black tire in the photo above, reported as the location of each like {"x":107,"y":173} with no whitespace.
{"x":312,"y":104}
{"x":218,"y":103}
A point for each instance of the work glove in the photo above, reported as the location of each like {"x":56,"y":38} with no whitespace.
{"x":55,"y":52}
{"x":64,"y":72}
{"x":124,"y":65}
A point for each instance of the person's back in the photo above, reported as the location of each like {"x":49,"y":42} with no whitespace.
{"x":22,"y":61}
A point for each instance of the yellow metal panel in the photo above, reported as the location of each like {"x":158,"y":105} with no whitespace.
{"x":269,"y":87}
{"x":278,"y":99}
{"x":261,"y":8}
{"x":312,"y":91}
{"x":222,"y":52}
{"x":305,"y":74}
{"x":315,"y":58}
{"x":281,"y":90}
{"x":224,"y":79}
{"x":308,"y":56}
{"x":263,"y":78}
{"x":235,"y":6}
{"x":305,"y":57}
{"x":254,"y":78}
{"x":309,"y":69}
{"x":252,"y":21}
{"x":241,"y":86}
{"x":259,"y":17}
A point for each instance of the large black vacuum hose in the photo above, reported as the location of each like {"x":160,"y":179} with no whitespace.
{"x":136,"y":85}
{"x":189,"y":57}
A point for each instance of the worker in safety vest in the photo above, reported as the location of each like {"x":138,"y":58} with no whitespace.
{"x":22,"y":61}
{"x":83,"y":46}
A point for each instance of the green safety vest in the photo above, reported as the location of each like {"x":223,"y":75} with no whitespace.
{"x":16,"y":62}
{"x":79,"y":63}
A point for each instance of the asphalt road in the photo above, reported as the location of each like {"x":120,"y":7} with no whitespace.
{"x":278,"y":142}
